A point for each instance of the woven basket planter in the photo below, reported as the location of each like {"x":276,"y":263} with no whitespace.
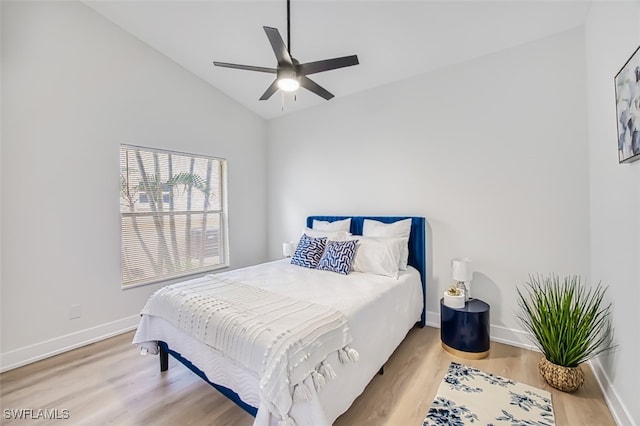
{"x":566,"y":379}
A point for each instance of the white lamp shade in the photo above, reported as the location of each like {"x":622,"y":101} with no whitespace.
{"x":461,"y":269}
{"x":288,"y":248}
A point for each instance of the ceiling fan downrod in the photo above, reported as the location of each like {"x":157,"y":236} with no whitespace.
{"x":289,"y":26}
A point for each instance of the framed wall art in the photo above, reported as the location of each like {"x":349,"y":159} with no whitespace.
{"x":627,"y":83}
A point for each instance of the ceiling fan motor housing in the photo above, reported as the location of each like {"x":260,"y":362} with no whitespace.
{"x":287,"y":72}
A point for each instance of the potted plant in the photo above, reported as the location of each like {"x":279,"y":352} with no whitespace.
{"x":570,"y":323}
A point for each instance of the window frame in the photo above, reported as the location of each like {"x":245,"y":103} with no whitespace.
{"x":221,"y":212}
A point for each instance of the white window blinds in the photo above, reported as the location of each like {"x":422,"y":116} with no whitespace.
{"x":173,"y":214}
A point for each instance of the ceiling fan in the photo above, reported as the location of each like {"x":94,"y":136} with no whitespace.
{"x":290,"y":74}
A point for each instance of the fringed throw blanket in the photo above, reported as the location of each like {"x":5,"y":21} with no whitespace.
{"x":281,"y":340}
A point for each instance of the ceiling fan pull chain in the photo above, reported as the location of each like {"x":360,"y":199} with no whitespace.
{"x":282,"y":93}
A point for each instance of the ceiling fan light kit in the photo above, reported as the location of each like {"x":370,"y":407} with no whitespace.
{"x":288,"y":80}
{"x":290,"y":74}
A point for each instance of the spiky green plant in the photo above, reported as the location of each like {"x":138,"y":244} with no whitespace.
{"x":569,"y":321}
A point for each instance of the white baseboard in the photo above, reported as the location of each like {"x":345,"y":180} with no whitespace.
{"x":28,"y":354}
{"x":433,"y":319}
{"x":522,"y":339}
{"x":618,"y":409}
{"x":509,"y":336}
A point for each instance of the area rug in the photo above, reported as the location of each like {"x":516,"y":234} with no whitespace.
{"x":468,"y":396}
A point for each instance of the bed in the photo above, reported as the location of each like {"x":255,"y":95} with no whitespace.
{"x":368,"y":314}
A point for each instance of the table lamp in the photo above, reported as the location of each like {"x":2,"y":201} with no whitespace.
{"x":462,"y":273}
{"x":288,"y":248}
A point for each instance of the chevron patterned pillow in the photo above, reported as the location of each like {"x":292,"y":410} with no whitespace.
{"x":309,"y":251}
{"x":338,"y":256}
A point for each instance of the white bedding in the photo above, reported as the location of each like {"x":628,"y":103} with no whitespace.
{"x":380,"y":311}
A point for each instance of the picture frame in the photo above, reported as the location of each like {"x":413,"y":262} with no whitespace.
{"x":627,"y":86}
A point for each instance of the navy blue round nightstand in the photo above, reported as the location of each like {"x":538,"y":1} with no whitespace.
{"x":464,"y":332}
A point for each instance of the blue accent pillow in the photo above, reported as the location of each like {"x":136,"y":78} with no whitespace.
{"x":309,"y":251}
{"x":337,"y":256}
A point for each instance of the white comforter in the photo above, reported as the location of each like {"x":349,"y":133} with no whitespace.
{"x":380,"y":311}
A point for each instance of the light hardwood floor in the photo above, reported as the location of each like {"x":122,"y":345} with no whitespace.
{"x":110,"y":383}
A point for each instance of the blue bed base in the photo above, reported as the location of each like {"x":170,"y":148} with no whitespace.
{"x":165,"y":351}
{"x":417,"y":259}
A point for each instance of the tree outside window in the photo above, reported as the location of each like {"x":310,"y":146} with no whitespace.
{"x":173,"y":217}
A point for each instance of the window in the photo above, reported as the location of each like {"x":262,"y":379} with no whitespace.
{"x":172,"y":214}
{"x":144,"y":198}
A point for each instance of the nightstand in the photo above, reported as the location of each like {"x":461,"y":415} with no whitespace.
{"x":464,"y":332}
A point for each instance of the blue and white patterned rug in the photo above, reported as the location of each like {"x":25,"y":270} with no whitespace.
{"x":468,"y":396}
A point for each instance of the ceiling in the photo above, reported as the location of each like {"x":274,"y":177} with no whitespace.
{"x":394,"y":39}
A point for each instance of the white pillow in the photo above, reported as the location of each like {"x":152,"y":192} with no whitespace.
{"x":331,"y":235}
{"x":401,"y":228}
{"x":336,"y":225}
{"x":377,"y":255}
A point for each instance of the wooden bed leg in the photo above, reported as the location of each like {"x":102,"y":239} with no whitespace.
{"x":164,"y":359}
{"x":381,"y":372}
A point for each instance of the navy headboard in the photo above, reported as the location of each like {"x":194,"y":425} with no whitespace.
{"x":417,"y":243}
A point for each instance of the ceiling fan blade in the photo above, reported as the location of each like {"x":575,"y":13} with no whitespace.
{"x":327,"y":64}
{"x":273,"y":87}
{"x":245,"y":67}
{"x":282,"y":54}
{"x":314,"y":87}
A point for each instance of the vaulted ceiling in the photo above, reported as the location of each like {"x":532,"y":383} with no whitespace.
{"x":394,"y":39}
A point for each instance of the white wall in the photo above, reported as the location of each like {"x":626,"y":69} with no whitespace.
{"x":492,"y":152}
{"x":74,"y":87}
{"x":612,"y":34}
